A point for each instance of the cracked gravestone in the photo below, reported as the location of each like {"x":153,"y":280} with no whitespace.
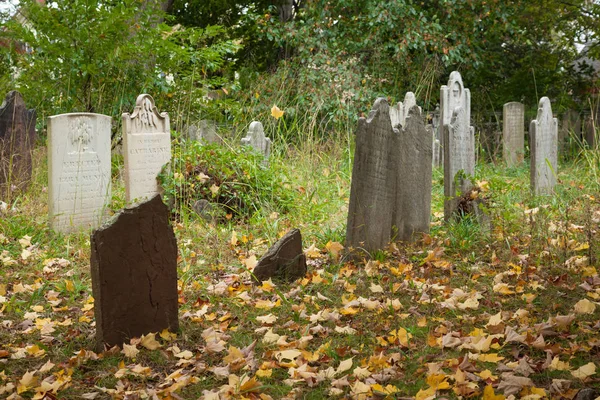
{"x":285,"y":260}
{"x":134,"y":274}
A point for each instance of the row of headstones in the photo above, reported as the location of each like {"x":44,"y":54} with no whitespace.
{"x":79,"y":157}
{"x":390,"y":195}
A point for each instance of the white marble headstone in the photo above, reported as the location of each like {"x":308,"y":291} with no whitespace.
{"x":146,"y":147}
{"x":257,"y":139}
{"x":543,"y":133}
{"x":78,"y":170}
{"x":399,"y":112}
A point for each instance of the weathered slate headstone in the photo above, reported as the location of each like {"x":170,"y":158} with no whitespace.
{"x":285,"y":260}
{"x":412,"y":212}
{"x":78,"y":170}
{"x":543,"y":134}
{"x":373,"y":189}
{"x":257,"y":140}
{"x":513,"y":133}
{"x":147,"y":147}
{"x":17,"y":137}
{"x":459,"y":160}
{"x":204,"y":131}
{"x":134,"y":274}
{"x":458,"y":141}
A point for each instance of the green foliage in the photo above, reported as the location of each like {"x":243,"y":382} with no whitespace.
{"x":236,"y":179}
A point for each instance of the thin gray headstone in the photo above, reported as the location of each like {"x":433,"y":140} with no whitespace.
{"x":256,"y":139}
{"x":451,"y":96}
{"x":147,"y":147}
{"x":78,"y":170}
{"x":373,"y":188}
{"x":412,"y":213}
{"x":438,"y":151}
{"x":513,"y":133}
{"x":17,"y":137}
{"x":399,"y":113}
{"x":543,"y":134}
{"x":459,"y":160}
{"x":134,"y":274}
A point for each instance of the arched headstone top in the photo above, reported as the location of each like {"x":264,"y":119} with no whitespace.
{"x":257,"y":139}
{"x":545,"y":111}
{"x":145,"y":116}
{"x":409,"y":101}
{"x":381,"y":106}
{"x":256,"y":129}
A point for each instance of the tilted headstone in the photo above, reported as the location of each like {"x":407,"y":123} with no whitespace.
{"x":458,"y":141}
{"x":459,"y":160}
{"x":513,"y":133}
{"x":17,"y":137}
{"x":147,"y":147}
{"x":134,"y":274}
{"x":257,"y":139}
{"x":543,"y":134}
{"x":285,"y":260}
{"x":204,"y":131}
{"x":78,"y":170}
{"x":412,"y":212}
{"x":373,"y":188}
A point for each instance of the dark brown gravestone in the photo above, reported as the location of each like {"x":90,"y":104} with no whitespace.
{"x":285,"y":260}
{"x":17,"y":136}
{"x":373,"y":188}
{"x":134,"y":274}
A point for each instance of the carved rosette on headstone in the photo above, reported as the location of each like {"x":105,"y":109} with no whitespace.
{"x":147,"y":148}
{"x":257,"y":140}
{"x":17,"y":137}
{"x":134,"y":274}
{"x":513,"y":133}
{"x":458,"y":141}
{"x":543,"y":134}
{"x":373,"y":189}
{"x":412,"y":212}
{"x":78,"y":170}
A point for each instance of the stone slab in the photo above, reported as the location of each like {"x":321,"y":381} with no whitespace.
{"x":79,"y":180}
{"x":256,"y":139}
{"x":513,"y":133}
{"x":285,"y":260}
{"x":543,"y":134}
{"x":147,"y":148}
{"x":134,"y":274}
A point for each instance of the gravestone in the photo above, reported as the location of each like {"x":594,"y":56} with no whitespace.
{"x":204,"y":131}
{"x":570,"y":127}
{"x":147,"y":147}
{"x":412,"y":213}
{"x":459,"y":160}
{"x":513,"y":133}
{"x":438,"y":151}
{"x":373,"y":188}
{"x":399,"y":112}
{"x":285,"y":260}
{"x":543,"y":134}
{"x":257,"y":140}
{"x":134,"y":274}
{"x":17,"y":137}
{"x":590,"y":127}
{"x":78,"y":170}
{"x":458,"y":141}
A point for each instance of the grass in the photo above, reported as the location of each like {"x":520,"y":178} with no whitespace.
{"x":443,"y":289}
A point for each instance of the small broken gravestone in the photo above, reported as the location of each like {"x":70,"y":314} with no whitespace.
{"x":285,"y":260}
{"x":543,"y":136}
{"x":257,"y":140}
{"x":134,"y":274}
{"x":17,"y":136}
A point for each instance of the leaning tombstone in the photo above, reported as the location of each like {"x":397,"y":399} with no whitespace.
{"x":147,"y":147}
{"x":17,"y":137}
{"x":134,"y":274}
{"x":458,"y":142}
{"x":257,"y":140}
{"x":513,"y":133}
{"x":373,"y":188}
{"x":543,"y":134}
{"x":412,"y":213}
{"x":78,"y":170}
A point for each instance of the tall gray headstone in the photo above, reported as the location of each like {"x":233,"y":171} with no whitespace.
{"x":458,"y":141}
{"x":513,"y":133}
{"x":257,"y":140}
{"x":17,"y":137}
{"x":412,"y":213}
{"x":147,"y":148}
{"x":78,"y":170}
{"x":373,"y":189}
{"x":543,"y":134}
{"x":134,"y":274}
{"x":438,"y":151}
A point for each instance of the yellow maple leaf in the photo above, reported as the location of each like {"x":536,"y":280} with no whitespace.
{"x":28,"y":381}
{"x":585,"y":306}
{"x":584,"y":371}
{"x":492,"y":357}
{"x":438,"y":381}
{"x":425,"y":394}
{"x":149,"y":341}
{"x":488,"y":394}
{"x":168,"y":336}
{"x":130,"y":350}
{"x":276,"y":112}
